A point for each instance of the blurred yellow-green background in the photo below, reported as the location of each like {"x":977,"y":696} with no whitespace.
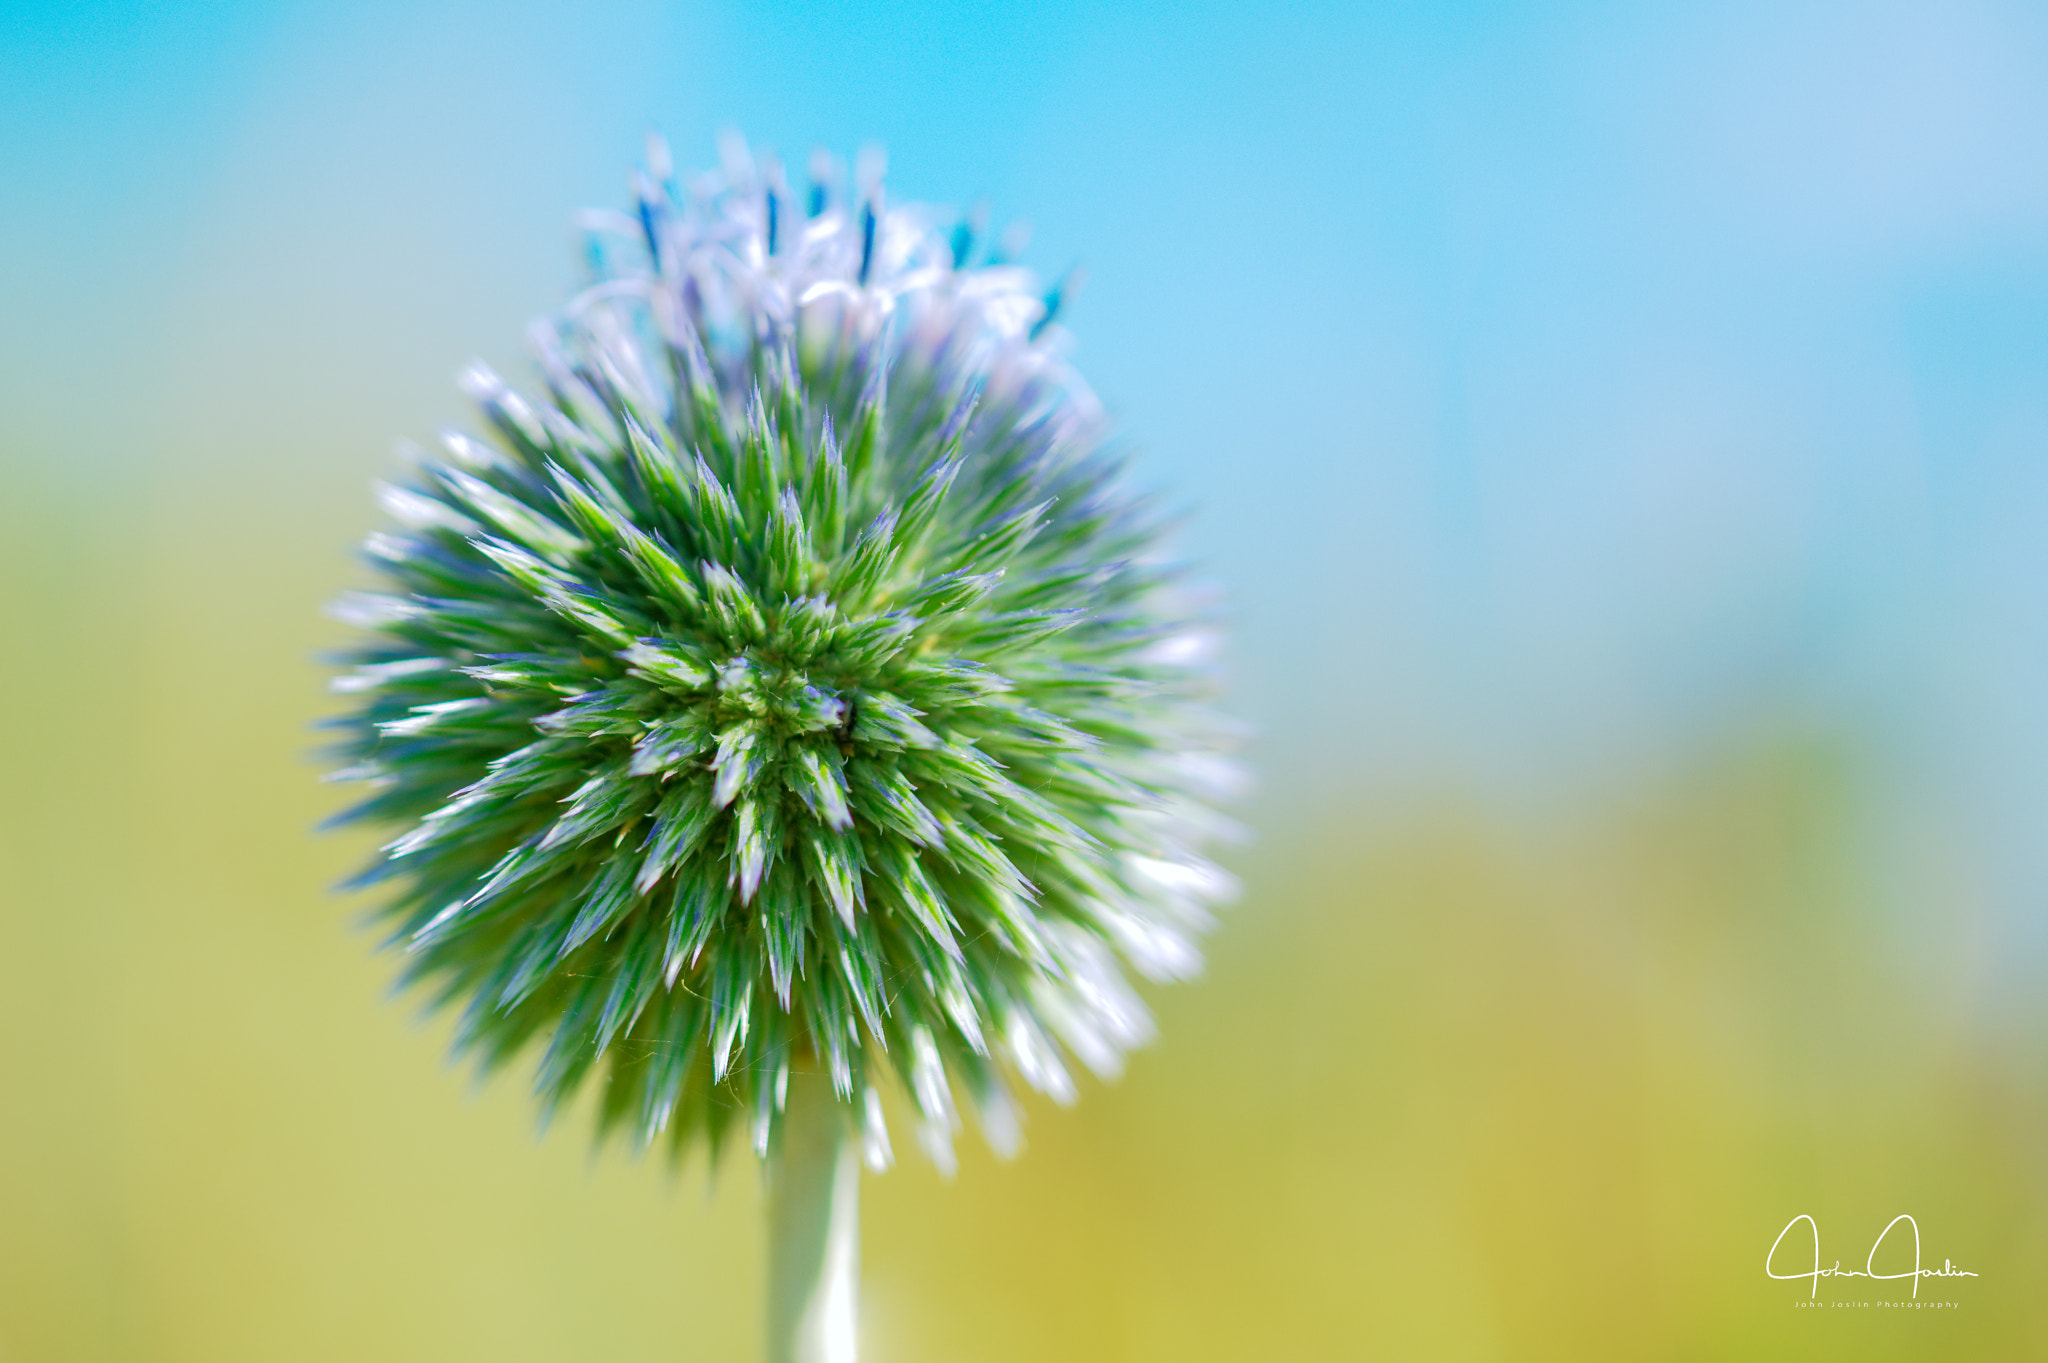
{"x":1621,"y":433}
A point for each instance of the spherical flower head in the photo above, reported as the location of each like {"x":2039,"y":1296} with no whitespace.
{"x":796,"y":684}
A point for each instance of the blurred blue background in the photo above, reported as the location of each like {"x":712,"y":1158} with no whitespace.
{"x":1621,"y":433}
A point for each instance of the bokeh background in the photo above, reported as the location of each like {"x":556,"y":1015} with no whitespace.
{"x":1621,"y":432}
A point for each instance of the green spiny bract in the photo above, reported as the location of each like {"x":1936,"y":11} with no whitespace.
{"x":796,"y":685}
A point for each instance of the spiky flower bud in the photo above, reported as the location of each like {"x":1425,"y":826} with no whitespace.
{"x":796,"y":683}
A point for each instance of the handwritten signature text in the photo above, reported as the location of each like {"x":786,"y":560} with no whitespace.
{"x":1916,"y":1273}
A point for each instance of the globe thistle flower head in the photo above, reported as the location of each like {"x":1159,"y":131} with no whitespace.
{"x":796,"y":683}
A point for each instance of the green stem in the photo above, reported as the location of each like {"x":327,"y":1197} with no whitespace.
{"x":813,"y":1226}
